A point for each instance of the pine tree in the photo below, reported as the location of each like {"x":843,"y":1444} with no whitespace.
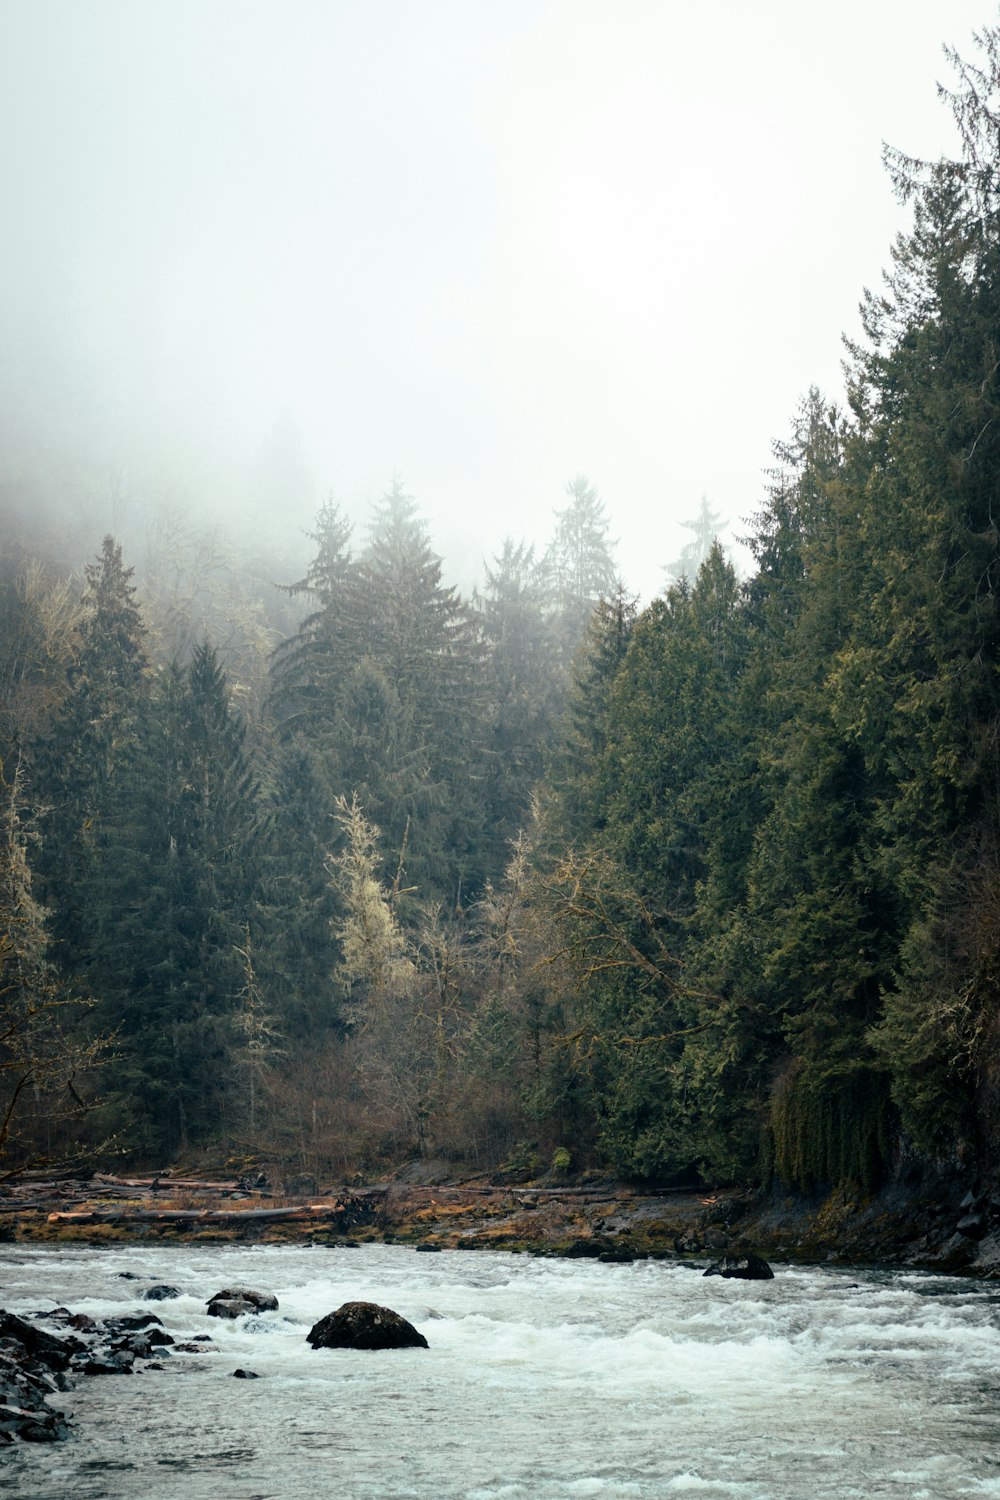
{"x":705,"y":526}
{"x":580,"y":768}
{"x":523,"y":694}
{"x":579,"y":565}
{"x":669,"y":709}
{"x":39,"y":619}
{"x":418,"y":702}
{"x":94,"y":728}
{"x":311,"y":670}
{"x":174,"y":889}
{"x":296,"y":948}
{"x":916,"y":686}
{"x":45,"y":1058}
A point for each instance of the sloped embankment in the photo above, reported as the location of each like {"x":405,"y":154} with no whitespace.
{"x":933,"y":1227}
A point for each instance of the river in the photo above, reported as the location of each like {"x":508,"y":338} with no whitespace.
{"x":544,"y":1380}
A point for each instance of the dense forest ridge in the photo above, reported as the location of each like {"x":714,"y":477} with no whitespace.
{"x":707,"y":891}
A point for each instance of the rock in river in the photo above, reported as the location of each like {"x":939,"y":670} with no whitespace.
{"x":742,"y":1267}
{"x":364,"y":1325}
{"x":234,"y":1301}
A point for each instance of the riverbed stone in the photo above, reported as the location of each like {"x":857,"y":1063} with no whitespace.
{"x":106,"y":1362}
{"x":364,"y":1325}
{"x":132,"y":1323}
{"x":31,"y":1424}
{"x":742,"y":1268}
{"x":160,"y":1293}
{"x":236,"y":1301}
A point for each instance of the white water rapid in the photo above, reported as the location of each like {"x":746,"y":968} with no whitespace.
{"x":544,"y":1380}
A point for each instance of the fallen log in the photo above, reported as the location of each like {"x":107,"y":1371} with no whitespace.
{"x":163,"y":1184}
{"x":233,"y":1218}
{"x":612,"y":1193}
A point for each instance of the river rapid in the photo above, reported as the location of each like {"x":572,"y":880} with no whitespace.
{"x":544,"y":1380}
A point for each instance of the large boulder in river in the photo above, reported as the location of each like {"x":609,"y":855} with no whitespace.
{"x":39,"y":1424}
{"x":33,"y":1365}
{"x":234,"y":1301}
{"x":364,"y":1325}
{"x":53,"y":1352}
{"x":742,"y":1268}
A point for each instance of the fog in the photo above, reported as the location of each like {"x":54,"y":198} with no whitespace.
{"x":253,"y":253}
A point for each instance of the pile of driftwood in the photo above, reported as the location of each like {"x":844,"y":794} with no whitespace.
{"x":248,"y":1202}
{"x":134,"y":1199}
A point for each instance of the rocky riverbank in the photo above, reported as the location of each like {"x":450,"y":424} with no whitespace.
{"x":945,"y":1224}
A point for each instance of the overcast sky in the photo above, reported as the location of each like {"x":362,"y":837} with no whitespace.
{"x":488,"y":244}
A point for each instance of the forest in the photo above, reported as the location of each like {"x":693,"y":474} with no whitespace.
{"x":341,"y":870}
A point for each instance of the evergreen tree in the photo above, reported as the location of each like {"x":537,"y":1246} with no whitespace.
{"x":417,"y":700}
{"x":296,"y":947}
{"x":916,"y":686}
{"x":39,"y":618}
{"x":523,"y":697}
{"x":173,"y":893}
{"x":705,"y":527}
{"x":93,"y":730}
{"x":579,"y":565}
{"x":45,"y":1062}
{"x":311,"y":670}
{"x":580,"y":767}
{"x":670,"y":707}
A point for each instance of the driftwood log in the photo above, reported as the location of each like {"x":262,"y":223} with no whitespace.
{"x":345,"y":1213}
{"x":164,"y":1184}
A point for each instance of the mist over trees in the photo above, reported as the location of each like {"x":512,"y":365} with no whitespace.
{"x":705,"y":890}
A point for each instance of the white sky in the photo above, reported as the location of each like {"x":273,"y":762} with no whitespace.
{"x":486,"y":243}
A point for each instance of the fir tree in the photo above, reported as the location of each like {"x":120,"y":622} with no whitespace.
{"x":418,"y":700}
{"x":579,"y":565}
{"x":173,"y":891}
{"x":523,"y":693}
{"x":96,"y":725}
{"x":705,"y":526}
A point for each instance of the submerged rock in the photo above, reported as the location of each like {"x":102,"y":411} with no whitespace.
{"x":742,"y":1268}
{"x":106,"y":1362}
{"x":364,"y":1325}
{"x":236,"y":1301}
{"x":32,"y":1425}
{"x":160,"y":1293}
{"x":132,"y":1323}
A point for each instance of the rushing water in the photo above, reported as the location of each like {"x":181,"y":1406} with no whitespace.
{"x":544,"y":1380}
